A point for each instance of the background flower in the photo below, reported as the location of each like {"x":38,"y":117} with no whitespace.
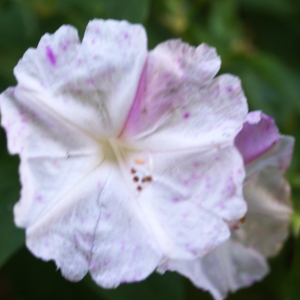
{"x":261,"y":232}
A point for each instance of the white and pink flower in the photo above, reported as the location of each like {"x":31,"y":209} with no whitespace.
{"x":127,"y":156}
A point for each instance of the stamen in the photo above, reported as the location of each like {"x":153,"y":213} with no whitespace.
{"x":133,"y":171}
{"x":243,"y":219}
{"x":147,"y":179}
{"x":135,"y":179}
{"x":139,"y":161}
{"x":139,"y":188}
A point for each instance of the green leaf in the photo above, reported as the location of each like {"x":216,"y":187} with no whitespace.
{"x":269,"y":6}
{"x":296,"y":223}
{"x":134,"y":11}
{"x":33,"y":279}
{"x":11,"y":238}
{"x":169,"y":286}
{"x":293,"y":290}
{"x":18,"y":26}
{"x":270,"y":86}
{"x":280,"y":76}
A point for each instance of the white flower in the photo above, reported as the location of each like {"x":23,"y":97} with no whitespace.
{"x":127,"y":157}
{"x":242,"y":260}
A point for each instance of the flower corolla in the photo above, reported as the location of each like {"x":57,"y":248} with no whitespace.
{"x":260,"y":234}
{"x":127,"y":156}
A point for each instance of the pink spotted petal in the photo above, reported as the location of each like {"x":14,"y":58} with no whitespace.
{"x":90,"y":85}
{"x":185,"y":202}
{"x":180,"y":105}
{"x":96,"y":227}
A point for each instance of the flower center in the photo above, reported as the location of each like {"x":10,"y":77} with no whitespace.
{"x":136,"y":166}
{"x":141,"y":171}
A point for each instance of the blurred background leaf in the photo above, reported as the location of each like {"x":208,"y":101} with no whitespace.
{"x":11,"y":238}
{"x":131,"y":10}
{"x":158,"y":287}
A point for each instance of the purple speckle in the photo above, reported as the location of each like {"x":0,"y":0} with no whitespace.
{"x":106,"y":262}
{"x":207,"y":182}
{"x":165,"y":267}
{"x":186,"y":115}
{"x":93,"y":264}
{"x":194,"y":176}
{"x":222,"y":206}
{"x":24,"y":120}
{"x":196,"y":164}
{"x":51,"y":56}
{"x":126,"y":36}
{"x":91,"y":81}
{"x":38,"y":198}
{"x":249,"y":282}
{"x":88,"y":238}
{"x":190,"y":249}
{"x":175,"y":199}
{"x":65,"y":45}
{"x":123,"y":245}
{"x":229,"y":89}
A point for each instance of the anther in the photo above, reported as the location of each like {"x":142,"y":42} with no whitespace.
{"x":243,"y":219}
{"x":135,"y":179}
{"x":133,"y":171}
{"x":139,"y":188}
{"x":139,"y":161}
{"x":147,"y":179}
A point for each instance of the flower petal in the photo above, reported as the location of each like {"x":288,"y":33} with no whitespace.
{"x":48,"y":147}
{"x":185,"y":202}
{"x":228,"y":268}
{"x":278,"y":157}
{"x":90,"y":85}
{"x":58,"y":167}
{"x":257,"y":136}
{"x":267,"y":194}
{"x":180,"y":102}
{"x":95,"y":227}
